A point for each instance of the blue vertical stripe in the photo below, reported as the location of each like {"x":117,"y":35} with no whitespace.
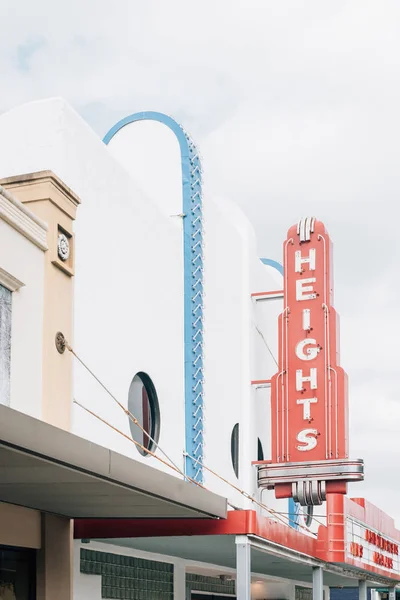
{"x":193,"y":285}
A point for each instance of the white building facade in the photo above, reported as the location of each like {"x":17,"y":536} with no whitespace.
{"x":130,"y":294}
{"x":175,"y":322}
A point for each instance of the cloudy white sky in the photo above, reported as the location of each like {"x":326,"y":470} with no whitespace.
{"x":295,"y":107}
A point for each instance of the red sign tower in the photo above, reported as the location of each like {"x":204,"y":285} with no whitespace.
{"x":309,"y":392}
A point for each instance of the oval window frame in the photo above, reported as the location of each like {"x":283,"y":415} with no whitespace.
{"x":260,"y":450}
{"x":235,"y":449}
{"x":155,"y":418}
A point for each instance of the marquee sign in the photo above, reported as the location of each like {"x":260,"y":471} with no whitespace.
{"x":309,"y":392}
{"x":371,"y":548}
{"x":361,"y":535}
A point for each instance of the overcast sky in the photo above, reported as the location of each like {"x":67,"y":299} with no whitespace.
{"x":295,"y":106}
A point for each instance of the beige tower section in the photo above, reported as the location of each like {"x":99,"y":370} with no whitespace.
{"x":51,"y":200}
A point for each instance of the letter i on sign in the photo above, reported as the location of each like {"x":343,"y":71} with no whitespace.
{"x":306,"y":319}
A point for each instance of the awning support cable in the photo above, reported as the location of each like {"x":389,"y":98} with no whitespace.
{"x":126,"y":411}
{"x":149,"y":452}
{"x":279,"y":516}
{"x":249,"y":497}
{"x":266,"y":344}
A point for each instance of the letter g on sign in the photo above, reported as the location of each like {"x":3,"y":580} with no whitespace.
{"x":309,"y":353}
{"x":308,"y":437}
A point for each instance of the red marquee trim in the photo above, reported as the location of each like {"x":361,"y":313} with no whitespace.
{"x":329,"y":546}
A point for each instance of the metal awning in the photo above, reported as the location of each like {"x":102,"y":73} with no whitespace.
{"x":276,"y":550}
{"x":48,"y":469}
{"x":267,"y":559}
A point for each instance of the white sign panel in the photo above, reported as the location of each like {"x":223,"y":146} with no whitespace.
{"x":371,"y":547}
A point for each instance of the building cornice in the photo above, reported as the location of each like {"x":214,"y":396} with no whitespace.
{"x":22,"y":219}
{"x":43,"y":185}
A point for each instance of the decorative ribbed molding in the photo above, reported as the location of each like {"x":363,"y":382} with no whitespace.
{"x":9,"y":281}
{"x":22,"y":219}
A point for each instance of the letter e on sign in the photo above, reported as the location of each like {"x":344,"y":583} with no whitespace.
{"x":303,"y":291}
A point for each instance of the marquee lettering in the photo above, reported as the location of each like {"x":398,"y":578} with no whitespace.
{"x":382,"y":560}
{"x":377,"y":550}
{"x":377,"y":540}
{"x":356,"y":550}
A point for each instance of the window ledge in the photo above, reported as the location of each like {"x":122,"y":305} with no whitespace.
{"x":9,"y":281}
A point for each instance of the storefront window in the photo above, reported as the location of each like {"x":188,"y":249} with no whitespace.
{"x":17,"y":574}
{"x":5,"y":344}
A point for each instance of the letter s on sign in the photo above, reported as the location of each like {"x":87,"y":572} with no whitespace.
{"x":310,"y":353}
{"x":307,"y":437}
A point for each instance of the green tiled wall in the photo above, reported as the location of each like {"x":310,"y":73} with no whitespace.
{"x":215,"y":585}
{"x":303,"y":593}
{"x":129,"y":578}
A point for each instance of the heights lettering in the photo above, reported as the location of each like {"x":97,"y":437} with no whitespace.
{"x":309,"y":394}
{"x":309,"y":411}
{"x":307,"y":349}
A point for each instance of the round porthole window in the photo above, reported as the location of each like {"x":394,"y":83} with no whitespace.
{"x":235,"y":449}
{"x":260,"y":451}
{"x":308,"y":514}
{"x":143,"y":405}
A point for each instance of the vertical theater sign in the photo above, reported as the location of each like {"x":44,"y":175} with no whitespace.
{"x":309,"y":392}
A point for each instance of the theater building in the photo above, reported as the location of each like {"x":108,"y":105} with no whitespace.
{"x":162,"y":407}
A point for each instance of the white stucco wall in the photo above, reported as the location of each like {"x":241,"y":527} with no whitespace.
{"x":128,"y":284}
{"x":129,"y":288}
{"x":22,"y":259}
{"x":232,"y":271}
{"x":129,"y":298}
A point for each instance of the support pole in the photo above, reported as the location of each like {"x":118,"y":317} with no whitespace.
{"x":362,"y":589}
{"x":188,"y":591}
{"x":243,"y":568}
{"x":318,"y":583}
{"x":55,"y":563}
{"x":392,"y":593}
{"x":179,"y":582}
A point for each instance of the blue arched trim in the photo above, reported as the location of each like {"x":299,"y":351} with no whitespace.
{"x":293,"y":508}
{"x":193,"y":284}
{"x":272,"y":263}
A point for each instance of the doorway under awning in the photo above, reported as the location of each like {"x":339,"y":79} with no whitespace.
{"x":54,"y":471}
